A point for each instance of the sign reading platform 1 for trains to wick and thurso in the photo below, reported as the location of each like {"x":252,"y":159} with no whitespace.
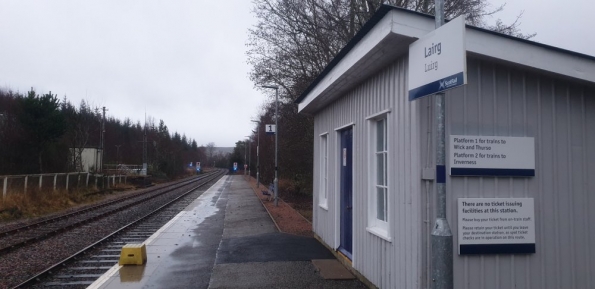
{"x":492,"y":156}
{"x":496,"y":226}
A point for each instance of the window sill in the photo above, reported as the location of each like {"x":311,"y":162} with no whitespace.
{"x":323,"y":206}
{"x":381,"y":233}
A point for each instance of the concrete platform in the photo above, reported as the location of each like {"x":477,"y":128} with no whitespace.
{"x":225,"y":239}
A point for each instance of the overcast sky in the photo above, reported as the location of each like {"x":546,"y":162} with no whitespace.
{"x":184,"y":61}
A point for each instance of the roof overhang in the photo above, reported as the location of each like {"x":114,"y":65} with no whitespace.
{"x":388,"y":37}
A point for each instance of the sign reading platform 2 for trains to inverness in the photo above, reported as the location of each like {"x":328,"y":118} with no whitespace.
{"x":492,"y":156}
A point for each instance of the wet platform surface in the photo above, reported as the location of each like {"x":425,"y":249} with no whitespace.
{"x":225,"y":239}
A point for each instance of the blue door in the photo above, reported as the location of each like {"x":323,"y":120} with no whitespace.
{"x":346,"y":206}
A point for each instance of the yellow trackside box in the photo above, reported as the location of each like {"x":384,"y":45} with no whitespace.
{"x":133,"y":254}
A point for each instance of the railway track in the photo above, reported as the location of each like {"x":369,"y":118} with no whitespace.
{"x":39,"y":249}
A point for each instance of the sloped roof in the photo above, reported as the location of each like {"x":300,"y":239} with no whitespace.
{"x":387,"y":35}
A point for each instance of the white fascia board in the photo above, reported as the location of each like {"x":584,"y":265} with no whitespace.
{"x":526,"y":54}
{"x":395,"y":23}
{"x":380,"y":31}
{"x":411,"y":25}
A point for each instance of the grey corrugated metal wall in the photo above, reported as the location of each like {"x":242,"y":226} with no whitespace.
{"x":396,"y":264}
{"x":498,"y":100}
{"x":560,"y":114}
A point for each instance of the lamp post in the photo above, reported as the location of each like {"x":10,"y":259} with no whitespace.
{"x":275,"y":181}
{"x":249,"y":153}
{"x":442,"y":239}
{"x":257,"y":155}
{"x":245,"y":158}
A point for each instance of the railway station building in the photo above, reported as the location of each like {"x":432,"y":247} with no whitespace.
{"x":520,"y":160}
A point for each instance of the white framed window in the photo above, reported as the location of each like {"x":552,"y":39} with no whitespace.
{"x":323,"y":166}
{"x":378,"y":192}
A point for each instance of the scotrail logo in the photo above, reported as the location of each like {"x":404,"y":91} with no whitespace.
{"x":448,"y":83}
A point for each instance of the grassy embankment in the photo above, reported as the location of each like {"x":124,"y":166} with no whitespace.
{"x":36,"y":203}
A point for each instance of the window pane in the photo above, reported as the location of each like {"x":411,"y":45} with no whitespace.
{"x":380,"y":201}
{"x":380,"y":135}
{"x":380,"y":174}
{"x":323,"y":168}
{"x":385,"y":169}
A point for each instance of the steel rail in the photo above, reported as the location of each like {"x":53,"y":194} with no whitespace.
{"x":79,"y":211}
{"x":72,"y":257}
{"x":46,"y":235}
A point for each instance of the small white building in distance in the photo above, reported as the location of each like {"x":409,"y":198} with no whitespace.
{"x":90,"y":159}
{"x":520,"y":160}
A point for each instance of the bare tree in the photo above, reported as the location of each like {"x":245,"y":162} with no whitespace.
{"x":294,"y":40}
{"x":210,"y":151}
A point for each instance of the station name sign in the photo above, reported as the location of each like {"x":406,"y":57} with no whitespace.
{"x":437,"y":61}
{"x":492,"y":156}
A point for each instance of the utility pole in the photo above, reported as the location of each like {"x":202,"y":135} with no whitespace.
{"x":442,"y":252}
{"x":145,"y":148}
{"x":102,"y":140}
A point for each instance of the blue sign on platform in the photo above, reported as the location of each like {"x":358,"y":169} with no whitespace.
{"x":437,"y":86}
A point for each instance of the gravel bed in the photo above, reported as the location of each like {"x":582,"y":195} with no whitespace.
{"x":51,"y":226}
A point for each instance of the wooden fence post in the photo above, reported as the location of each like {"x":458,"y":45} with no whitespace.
{"x":5,"y":187}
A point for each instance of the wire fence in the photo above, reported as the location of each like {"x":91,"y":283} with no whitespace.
{"x":46,"y":182}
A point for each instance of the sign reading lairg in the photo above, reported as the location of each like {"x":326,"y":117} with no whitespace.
{"x":491,"y":156}
{"x":496,"y":226}
{"x":437,"y":61}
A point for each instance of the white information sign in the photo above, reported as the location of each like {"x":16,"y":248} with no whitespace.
{"x":491,"y":156}
{"x":270,"y":128}
{"x":496,"y":225}
{"x":438,"y":60}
